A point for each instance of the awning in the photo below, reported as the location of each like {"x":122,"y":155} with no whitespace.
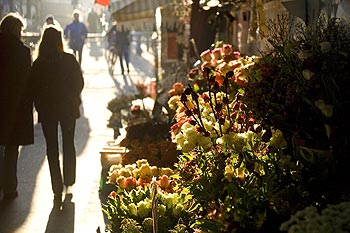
{"x":137,"y":10}
{"x":102,"y":2}
{"x":117,"y":5}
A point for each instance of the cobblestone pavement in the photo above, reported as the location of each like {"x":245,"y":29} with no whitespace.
{"x":32,"y":211}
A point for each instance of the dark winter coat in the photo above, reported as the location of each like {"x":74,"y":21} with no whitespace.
{"x":16,"y":105}
{"x":77,"y":33}
{"x":57,"y":85}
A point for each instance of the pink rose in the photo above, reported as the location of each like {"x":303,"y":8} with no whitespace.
{"x":206,"y":55}
{"x":227,"y":49}
{"x":178,"y":87}
{"x":236,"y":55}
{"x":205,"y":64}
{"x":216,"y":53}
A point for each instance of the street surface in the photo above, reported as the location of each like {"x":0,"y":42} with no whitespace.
{"x":32,"y":211}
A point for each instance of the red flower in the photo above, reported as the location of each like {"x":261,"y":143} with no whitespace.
{"x":130,"y":183}
{"x":219,"y":78}
{"x":135,"y":109}
{"x":112,"y":194}
{"x":164,"y":182}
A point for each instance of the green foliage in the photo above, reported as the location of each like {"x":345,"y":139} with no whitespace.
{"x":130,"y":211}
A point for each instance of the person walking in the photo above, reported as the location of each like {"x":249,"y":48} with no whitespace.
{"x":122,"y":45}
{"x":57,"y":84}
{"x":50,"y":20}
{"x":76,"y":33}
{"x":111,"y":50}
{"x":16,"y":104}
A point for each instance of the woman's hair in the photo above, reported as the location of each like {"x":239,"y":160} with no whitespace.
{"x":51,"y":43}
{"x":12,"y":23}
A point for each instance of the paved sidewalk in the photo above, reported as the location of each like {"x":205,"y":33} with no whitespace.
{"x":32,"y":211}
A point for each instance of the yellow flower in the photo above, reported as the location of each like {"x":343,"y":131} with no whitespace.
{"x":154,"y":171}
{"x":145,"y":171}
{"x":121,"y":182}
{"x":140,"y":162}
{"x":229,"y":172}
{"x":124,"y":172}
{"x":136,"y":173}
{"x":277,"y":140}
{"x":166,"y":171}
{"x":240,"y":172}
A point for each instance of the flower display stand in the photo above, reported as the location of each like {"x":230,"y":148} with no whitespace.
{"x":110,"y":154}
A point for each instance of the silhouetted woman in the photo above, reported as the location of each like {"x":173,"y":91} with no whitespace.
{"x":57,"y":84}
{"x":16,"y":105}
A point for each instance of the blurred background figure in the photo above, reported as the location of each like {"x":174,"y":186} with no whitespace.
{"x":76,"y":32}
{"x":123,"y":44}
{"x":16,"y":105}
{"x":50,"y":20}
{"x":94,"y":26}
{"x":93,"y":21}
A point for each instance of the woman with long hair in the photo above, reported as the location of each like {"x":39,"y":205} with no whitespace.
{"x":57,"y":84}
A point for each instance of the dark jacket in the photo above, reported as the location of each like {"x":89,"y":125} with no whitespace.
{"x":77,"y":33}
{"x":57,"y":85}
{"x":16,"y":105}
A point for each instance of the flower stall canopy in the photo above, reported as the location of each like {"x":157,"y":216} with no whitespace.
{"x":102,"y":2}
{"x":140,"y":14}
{"x":119,"y":4}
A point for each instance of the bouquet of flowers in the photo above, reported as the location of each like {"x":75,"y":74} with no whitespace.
{"x":300,"y":84}
{"x":226,"y":154}
{"x":146,"y":194}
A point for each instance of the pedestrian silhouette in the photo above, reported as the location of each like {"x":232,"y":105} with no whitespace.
{"x":57,"y":84}
{"x":119,"y":40}
{"x":16,"y":105}
{"x":122,"y":45}
{"x":93,"y":21}
{"x":50,"y":20}
{"x":76,"y":33}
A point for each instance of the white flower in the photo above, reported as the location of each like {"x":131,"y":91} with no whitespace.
{"x":180,"y":140}
{"x":205,"y":142}
{"x":326,"y":109}
{"x":144,"y":208}
{"x":277,"y":140}
{"x":307,"y":74}
{"x":173,"y":102}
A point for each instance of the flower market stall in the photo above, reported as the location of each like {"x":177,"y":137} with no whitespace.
{"x":252,"y":144}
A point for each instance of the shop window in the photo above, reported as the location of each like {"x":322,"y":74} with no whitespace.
{"x":172,"y":46}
